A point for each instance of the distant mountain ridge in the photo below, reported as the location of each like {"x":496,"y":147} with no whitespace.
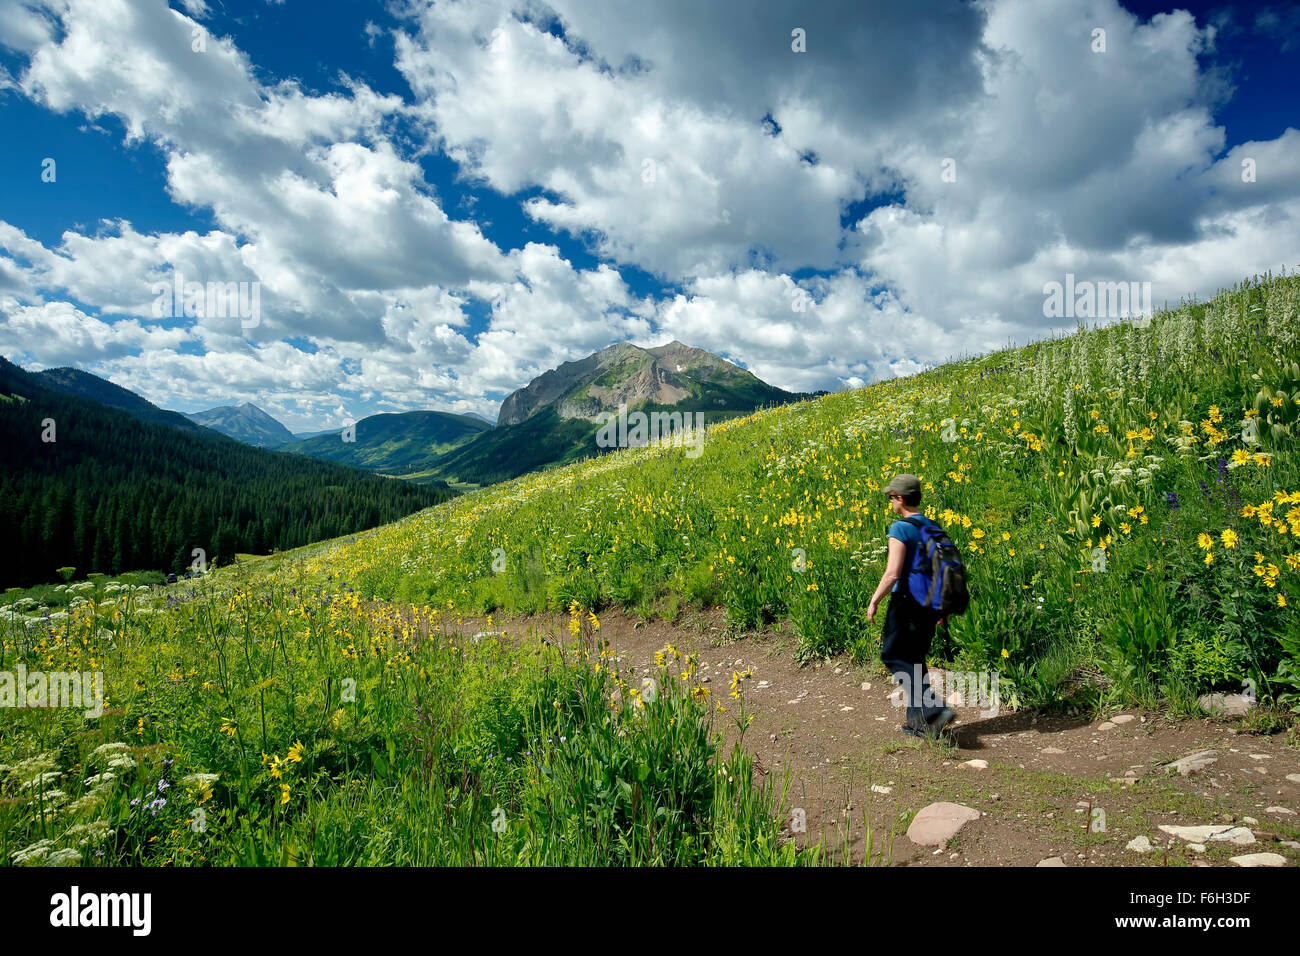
{"x":245,"y":422}
{"x":73,"y":381}
{"x":550,"y":421}
{"x":393,"y":443}
{"x":90,"y":485}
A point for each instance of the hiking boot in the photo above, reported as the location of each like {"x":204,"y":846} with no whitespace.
{"x":915,"y":728}
{"x":932,"y":727}
{"x":941,"y":720}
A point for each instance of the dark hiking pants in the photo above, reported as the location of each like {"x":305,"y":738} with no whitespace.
{"x":909,"y":628}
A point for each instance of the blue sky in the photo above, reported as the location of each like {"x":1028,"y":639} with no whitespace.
{"x":439,"y":201}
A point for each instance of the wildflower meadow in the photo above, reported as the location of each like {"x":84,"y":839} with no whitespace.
{"x":1127,"y":499}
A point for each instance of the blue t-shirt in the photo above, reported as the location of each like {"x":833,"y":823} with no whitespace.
{"x":905,"y":531}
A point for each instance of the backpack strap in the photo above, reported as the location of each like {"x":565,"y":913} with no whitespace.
{"x":934,"y":580}
{"x":914,"y":547}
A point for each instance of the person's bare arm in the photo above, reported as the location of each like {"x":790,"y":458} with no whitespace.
{"x":893,"y":570}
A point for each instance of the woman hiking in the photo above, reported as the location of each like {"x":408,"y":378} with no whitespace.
{"x":909,"y":627}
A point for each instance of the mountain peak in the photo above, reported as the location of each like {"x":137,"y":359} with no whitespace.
{"x":627,"y":374}
{"x":245,"y":422}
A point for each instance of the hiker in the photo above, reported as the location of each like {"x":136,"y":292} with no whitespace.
{"x":909,"y":627}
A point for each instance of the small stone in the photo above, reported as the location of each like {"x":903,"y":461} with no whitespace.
{"x":981,"y":765}
{"x":1052,"y":750}
{"x":1293,"y":777}
{"x":1260,"y":756}
{"x":1190,"y":764}
{"x":1197,"y":847}
{"x":1105,"y":725}
{"x":1284,"y":810}
{"x":763,"y":683}
{"x":845,"y":708}
{"x":1121,"y":718}
{"x":1051,"y":861}
{"x":1139,"y":845}
{"x":1259,"y":859}
{"x":877,"y":788}
{"x":937,"y":823}
{"x":1250,"y":820}
{"x":839,"y":670}
{"x":866,"y":685}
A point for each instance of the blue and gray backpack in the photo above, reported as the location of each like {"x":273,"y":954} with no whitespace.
{"x":937,"y":578}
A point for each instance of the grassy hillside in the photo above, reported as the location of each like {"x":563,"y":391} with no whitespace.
{"x":1099,"y":485}
{"x":393,"y":443}
{"x":1126,"y":538}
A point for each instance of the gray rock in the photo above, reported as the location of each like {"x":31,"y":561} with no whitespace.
{"x":1139,"y":845}
{"x":1212,"y":833}
{"x":1188,"y":765}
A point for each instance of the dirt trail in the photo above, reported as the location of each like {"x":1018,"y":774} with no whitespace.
{"x":1045,"y":776}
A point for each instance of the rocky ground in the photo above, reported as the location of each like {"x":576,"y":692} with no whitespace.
{"x":1014,"y":789}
